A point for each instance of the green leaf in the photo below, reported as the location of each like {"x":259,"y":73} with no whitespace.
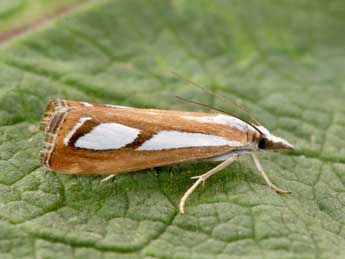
{"x":18,"y":16}
{"x":284,"y":60}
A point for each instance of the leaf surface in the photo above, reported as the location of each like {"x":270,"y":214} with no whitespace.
{"x":283,"y":60}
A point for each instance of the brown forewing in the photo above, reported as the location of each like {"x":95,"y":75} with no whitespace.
{"x":72,"y":160}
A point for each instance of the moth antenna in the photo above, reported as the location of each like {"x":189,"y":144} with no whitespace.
{"x":219,"y":110}
{"x":238,"y":106}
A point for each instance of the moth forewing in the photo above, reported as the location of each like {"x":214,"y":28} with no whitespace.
{"x":103,"y":139}
{"x":89,"y":138}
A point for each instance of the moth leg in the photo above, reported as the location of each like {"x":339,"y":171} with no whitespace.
{"x":264,"y":175}
{"x":108,"y":178}
{"x":202,"y":178}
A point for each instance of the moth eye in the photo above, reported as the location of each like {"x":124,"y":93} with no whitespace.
{"x":262,"y":143}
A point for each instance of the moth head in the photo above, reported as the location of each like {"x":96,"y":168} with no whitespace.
{"x":269,"y":141}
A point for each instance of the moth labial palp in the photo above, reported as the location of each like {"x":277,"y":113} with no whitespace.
{"x":87,"y":138}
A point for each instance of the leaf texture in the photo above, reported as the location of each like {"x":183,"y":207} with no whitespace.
{"x":284,"y":60}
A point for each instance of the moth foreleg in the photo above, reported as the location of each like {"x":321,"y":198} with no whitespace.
{"x":264,"y":175}
{"x":108,"y":178}
{"x":202,"y":178}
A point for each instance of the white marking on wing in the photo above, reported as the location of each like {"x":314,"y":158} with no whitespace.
{"x":75,"y":128}
{"x":86,"y":104}
{"x":200,"y":119}
{"x":107,"y":136}
{"x":152,"y":113}
{"x":221,"y":119}
{"x":118,"y":106}
{"x":231,"y":121}
{"x":177,"y":139}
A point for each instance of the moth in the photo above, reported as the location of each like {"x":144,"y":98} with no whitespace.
{"x":88,"y":138}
